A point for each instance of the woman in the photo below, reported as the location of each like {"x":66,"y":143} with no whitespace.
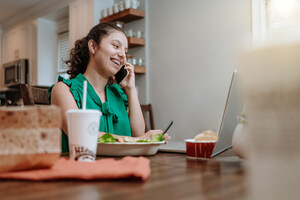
{"x":97,"y":58}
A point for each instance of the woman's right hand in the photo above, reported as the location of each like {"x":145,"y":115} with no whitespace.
{"x":148,"y":135}
{"x":153,"y":133}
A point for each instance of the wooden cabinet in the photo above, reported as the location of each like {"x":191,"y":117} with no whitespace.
{"x":35,"y":41}
{"x":80,"y":19}
{"x":16,"y":43}
{"x":127,"y":16}
{"x":83,"y":15}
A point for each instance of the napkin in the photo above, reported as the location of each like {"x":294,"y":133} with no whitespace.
{"x":108,"y":168}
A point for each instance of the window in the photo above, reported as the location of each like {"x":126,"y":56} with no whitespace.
{"x":62,"y":52}
{"x":284,"y":18}
{"x":275,"y":20}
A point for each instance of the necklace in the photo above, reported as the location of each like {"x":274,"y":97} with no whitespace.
{"x":98,"y":91}
{"x":101,"y":95}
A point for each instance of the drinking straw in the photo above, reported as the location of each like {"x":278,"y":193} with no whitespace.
{"x":84,"y":95}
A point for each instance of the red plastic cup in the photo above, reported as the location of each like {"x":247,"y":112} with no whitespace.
{"x":199,"y":149}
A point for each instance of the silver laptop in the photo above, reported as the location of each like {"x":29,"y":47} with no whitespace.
{"x":233,"y":109}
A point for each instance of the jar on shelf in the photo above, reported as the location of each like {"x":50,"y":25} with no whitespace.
{"x":139,"y":34}
{"x":134,"y":61}
{"x":121,"y":6}
{"x":127,"y":4}
{"x":129,"y":60}
{"x":129,"y":33}
{"x":103,"y":13}
{"x":109,"y":11}
{"x":140,"y":62}
{"x":115,"y":8}
{"x":135,"y":4}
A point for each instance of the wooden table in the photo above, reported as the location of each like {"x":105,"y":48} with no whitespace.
{"x":172,"y":177}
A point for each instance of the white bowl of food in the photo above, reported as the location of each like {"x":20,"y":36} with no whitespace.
{"x":109,"y":145}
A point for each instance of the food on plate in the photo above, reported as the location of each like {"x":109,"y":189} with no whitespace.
{"x":115,"y":145}
{"x":30,"y":137}
{"x":206,"y":136}
{"x":106,"y":138}
{"x":109,"y":138}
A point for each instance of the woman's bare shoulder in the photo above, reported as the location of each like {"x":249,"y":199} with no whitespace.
{"x":62,"y":96}
{"x":60,"y":86}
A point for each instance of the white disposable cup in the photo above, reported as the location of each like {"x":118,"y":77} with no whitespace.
{"x":83,"y":127}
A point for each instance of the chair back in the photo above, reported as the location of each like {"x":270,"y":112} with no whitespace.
{"x":148,"y":116}
{"x":32,"y":95}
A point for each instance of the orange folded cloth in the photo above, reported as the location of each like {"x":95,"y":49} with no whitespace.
{"x":108,"y":168}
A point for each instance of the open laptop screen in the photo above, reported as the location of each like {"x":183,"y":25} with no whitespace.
{"x":233,"y":108}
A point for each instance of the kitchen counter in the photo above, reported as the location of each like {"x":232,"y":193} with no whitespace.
{"x":10,"y":96}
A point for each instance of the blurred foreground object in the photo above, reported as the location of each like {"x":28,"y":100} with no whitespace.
{"x":240,"y":140}
{"x":30,"y":137}
{"x":271,"y":77}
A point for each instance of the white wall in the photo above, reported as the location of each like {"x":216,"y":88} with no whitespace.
{"x":190,"y":51}
{"x":139,"y":52}
{"x":46,"y":52}
{"x":1,"y":70}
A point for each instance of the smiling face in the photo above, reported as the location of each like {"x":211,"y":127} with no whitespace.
{"x":110,"y":55}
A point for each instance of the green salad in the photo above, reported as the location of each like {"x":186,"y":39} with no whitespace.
{"x":158,"y":138}
{"x":106,"y":138}
{"x":109,"y":138}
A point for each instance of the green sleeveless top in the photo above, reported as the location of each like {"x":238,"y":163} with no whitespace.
{"x":114,"y":117}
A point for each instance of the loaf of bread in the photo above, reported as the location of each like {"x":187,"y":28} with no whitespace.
{"x":30,"y":117}
{"x":206,"y":136}
{"x":49,"y":116}
{"x":30,"y":137}
{"x":17,"y":117}
{"x":30,"y":141}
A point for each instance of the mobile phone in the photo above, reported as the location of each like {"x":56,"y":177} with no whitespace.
{"x":121,"y":74}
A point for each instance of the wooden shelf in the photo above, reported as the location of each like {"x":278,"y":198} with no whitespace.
{"x":125,"y":16}
{"x":135,"y":42}
{"x":139,"y":69}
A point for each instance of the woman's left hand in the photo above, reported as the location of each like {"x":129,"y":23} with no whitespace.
{"x":129,"y":81}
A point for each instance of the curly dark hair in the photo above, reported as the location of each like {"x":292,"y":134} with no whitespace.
{"x":79,"y":55}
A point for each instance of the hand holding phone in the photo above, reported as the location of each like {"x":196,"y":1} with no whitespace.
{"x":121,"y":74}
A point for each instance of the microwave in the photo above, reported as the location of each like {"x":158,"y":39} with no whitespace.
{"x":15,"y":73}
